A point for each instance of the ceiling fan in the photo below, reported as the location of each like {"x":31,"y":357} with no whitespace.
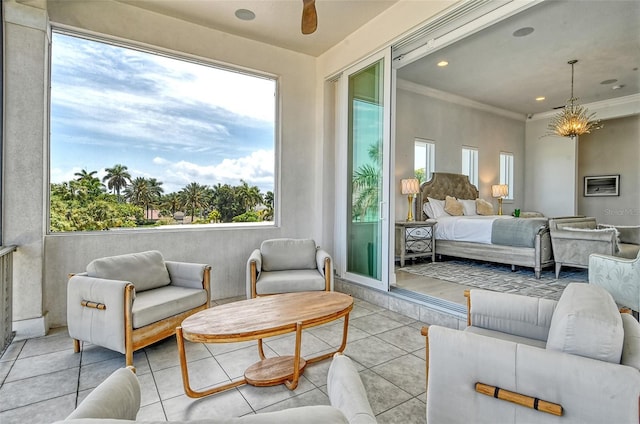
{"x":309,"y":17}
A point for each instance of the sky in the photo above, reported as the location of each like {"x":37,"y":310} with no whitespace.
{"x":173,"y":120}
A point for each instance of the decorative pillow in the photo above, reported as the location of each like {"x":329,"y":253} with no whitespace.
{"x":284,"y":254}
{"x":452,"y":206}
{"x":587,"y":322}
{"x":428,"y":210}
{"x":145,"y":270}
{"x":438,"y":208}
{"x":483,"y":207}
{"x":468,"y":206}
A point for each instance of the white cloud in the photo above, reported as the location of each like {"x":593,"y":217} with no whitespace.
{"x":160,"y":161}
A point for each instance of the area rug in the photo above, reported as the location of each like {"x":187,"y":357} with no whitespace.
{"x":498,"y":277}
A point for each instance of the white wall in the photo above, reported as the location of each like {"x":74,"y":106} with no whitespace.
{"x":551,"y":170}
{"x":451,"y":126}
{"x":43,"y":261}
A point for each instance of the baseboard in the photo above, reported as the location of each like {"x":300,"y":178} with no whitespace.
{"x":30,"y":328}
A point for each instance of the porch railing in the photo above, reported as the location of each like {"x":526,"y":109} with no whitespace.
{"x":6,"y":298}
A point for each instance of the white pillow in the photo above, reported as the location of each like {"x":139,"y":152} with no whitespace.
{"x":438,"y":208}
{"x":427,"y":209}
{"x":468,"y":206}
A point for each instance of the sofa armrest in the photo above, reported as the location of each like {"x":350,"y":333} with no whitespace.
{"x":321,"y":257}
{"x":100,"y":325}
{"x":185,"y":274}
{"x":522,"y":316}
{"x":588,"y":390}
{"x":254,"y":267}
{"x":117,"y":397}
{"x":346,"y":391}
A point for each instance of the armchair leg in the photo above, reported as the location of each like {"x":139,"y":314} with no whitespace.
{"x":129,"y":357}
{"x":558,"y":266}
{"x":76,"y":345}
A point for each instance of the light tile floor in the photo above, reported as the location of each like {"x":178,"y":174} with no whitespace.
{"x":42,"y":379}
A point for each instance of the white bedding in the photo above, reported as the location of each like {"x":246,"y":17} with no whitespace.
{"x":474,"y":228}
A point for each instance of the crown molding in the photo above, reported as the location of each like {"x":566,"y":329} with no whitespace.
{"x":453,"y":98}
{"x":606,"y":109}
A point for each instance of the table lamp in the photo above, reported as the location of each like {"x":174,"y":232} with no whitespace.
{"x":410,"y":187}
{"x":499,"y":191}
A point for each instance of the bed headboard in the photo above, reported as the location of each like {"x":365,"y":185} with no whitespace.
{"x":444,"y":184}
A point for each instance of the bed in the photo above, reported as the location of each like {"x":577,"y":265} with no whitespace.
{"x":495,"y":238}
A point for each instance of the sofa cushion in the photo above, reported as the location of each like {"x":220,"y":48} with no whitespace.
{"x":587,"y":322}
{"x":289,"y":281}
{"x":283,"y":254}
{"x":631,"y":345}
{"x":154,"y":305}
{"x":145,"y":270}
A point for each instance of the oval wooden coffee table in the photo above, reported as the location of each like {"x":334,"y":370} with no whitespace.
{"x":259,"y":318}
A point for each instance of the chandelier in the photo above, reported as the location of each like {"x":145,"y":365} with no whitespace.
{"x":573,"y":120}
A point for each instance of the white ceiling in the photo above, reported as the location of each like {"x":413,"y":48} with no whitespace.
{"x":277,"y":22}
{"x":495,"y":68}
{"x":492,"y":66}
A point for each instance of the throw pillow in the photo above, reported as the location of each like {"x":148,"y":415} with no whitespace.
{"x":483,"y":207}
{"x":438,"y":208}
{"x":587,"y":322}
{"x":285,"y":254}
{"x":468,"y":206}
{"x":452,"y":206}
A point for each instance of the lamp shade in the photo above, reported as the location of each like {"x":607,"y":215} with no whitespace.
{"x":499,"y":190}
{"x":410,"y":186}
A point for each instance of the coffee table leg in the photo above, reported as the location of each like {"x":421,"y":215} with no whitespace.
{"x":185,"y":373}
{"x":342,"y":347}
{"x":291,"y":385}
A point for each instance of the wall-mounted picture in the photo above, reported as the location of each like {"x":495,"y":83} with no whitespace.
{"x":602,"y":185}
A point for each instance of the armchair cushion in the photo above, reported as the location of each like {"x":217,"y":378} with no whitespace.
{"x":294,"y":280}
{"x":155,"y":305}
{"x":587,"y":322}
{"x":145,"y":270}
{"x":286,"y":254}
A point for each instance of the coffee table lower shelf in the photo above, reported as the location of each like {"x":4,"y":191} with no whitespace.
{"x":273,"y":371}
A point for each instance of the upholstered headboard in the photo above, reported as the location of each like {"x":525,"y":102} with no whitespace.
{"x":444,"y":184}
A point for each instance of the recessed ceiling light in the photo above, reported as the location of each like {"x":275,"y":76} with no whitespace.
{"x":617,"y":87}
{"x":443,"y":63}
{"x":245,"y":15}
{"x":609,"y":81}
{"x":540,"y":98}
{"x":523,"y":32}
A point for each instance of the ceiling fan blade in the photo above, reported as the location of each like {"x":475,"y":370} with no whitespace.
{"x":309,"y":17}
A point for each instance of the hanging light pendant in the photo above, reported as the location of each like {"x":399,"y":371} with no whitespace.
{"x":573,"y":120}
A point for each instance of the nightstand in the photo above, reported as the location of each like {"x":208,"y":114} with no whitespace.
{"x":415,"y":239}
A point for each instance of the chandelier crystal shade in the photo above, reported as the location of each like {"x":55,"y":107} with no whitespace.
{"x":573,"y":120}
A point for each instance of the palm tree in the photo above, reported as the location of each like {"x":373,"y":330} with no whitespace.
{"x":155,"y":192}
{"x":366,"y":186}
{"x":248,"y":196}
{"x":171,"y":202}
{"x":193,"y":197}
{"x":84,"y":175}
{"x":117,"y":178}
{"x":268,"y":202}
{"x":137,"y":192}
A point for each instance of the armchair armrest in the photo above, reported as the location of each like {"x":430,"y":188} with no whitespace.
{"x":254,"y":267}
{"x":619,"y":276}
{"x":117,"y":397}
{"x":185,"y":274}
{"x":586,"y":235}
{"x":105,"y":326}
{"x":325,"y":267}
{"x":629,"y":233}
{"x":512,"y":314}
{"x":588,"y":390}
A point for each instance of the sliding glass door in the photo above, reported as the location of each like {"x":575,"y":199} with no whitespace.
{"x":365,"y":95}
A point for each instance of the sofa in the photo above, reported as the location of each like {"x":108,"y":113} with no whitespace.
{"x":521,"y":356}
{"x":127,"y":302}
{"x":573,"y":239}
{"x":118,"y":398}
